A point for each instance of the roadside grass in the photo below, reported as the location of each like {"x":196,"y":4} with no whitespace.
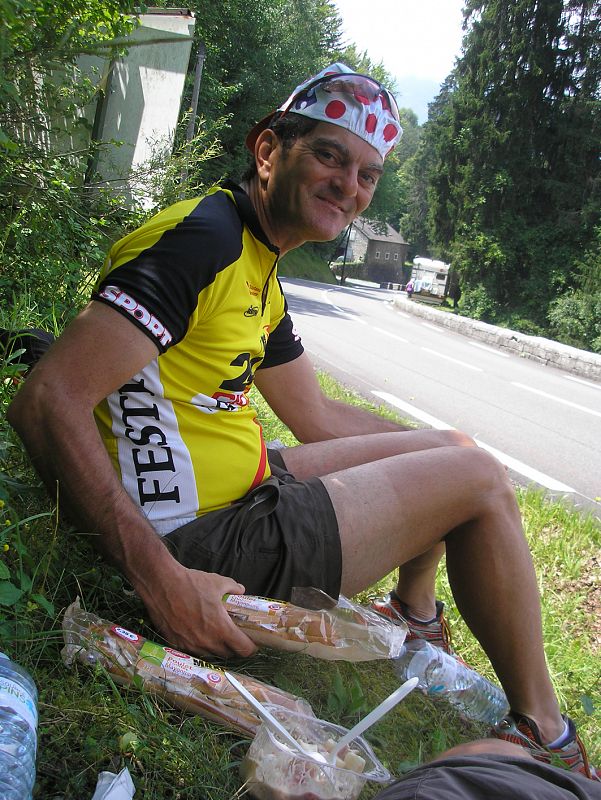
{"x":88,"y":724}
{"x":305,"y":262}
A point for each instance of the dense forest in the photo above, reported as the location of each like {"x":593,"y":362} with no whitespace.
{"x":502,"y":181}
{"x":506,"y":181}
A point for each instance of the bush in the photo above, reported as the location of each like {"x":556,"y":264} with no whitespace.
{"x":575,"y":319}
{"x":479,"y":305}
{"x":516,"y":322}
{"x":55,"y":232}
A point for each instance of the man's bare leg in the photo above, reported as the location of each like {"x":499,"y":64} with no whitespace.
{"x":468,"y":502}
{"x":323,"y":458}
{"x":416,"y":583}
{"x":416,"y":578}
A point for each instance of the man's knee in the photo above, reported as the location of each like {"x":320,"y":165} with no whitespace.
{"x":481,"y":482}
{"x":488,"y":470}
{"x":485,"y":747}
{"x":455,"y":438}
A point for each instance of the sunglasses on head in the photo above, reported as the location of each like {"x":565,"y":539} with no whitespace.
{"x":365,"y":89}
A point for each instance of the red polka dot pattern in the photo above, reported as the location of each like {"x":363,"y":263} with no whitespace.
{"x":370,"y":123}
{"x":390,"y":131}
{"x":359,"y":105}
{"x":335,"y":109}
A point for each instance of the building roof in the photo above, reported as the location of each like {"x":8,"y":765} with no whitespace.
{"x":378,"y":231}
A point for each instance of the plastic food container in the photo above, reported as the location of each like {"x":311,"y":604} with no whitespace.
{"x":273,"y":771}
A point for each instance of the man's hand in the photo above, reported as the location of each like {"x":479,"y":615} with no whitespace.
{"x":187,"y":608}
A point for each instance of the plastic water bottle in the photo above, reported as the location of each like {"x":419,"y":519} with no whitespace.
{"x":18,"y":737}
{"x":443,"y":676}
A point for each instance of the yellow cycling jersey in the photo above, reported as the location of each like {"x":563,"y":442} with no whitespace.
{"x":200,"y":280}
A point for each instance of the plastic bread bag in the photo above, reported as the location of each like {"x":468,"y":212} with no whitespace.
{"x":182,"y":680}
{"x":316,"y":624}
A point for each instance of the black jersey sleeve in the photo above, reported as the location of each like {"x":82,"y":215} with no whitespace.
{"x":158,"y":286}
{"x":283,"y":345}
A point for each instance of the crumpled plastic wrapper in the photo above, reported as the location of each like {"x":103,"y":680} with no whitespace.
{"x":182,"y":680}
{"x":316,"y":624}
{"x":111,"y":786}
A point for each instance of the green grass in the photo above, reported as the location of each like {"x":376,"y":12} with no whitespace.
{"x":305,"y":262}
{"x":88,"y":724}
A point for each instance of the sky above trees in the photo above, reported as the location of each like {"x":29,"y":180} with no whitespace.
{"x":417,"y":42}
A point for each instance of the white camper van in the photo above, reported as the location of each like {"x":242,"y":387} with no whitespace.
{"x":429,"y":278}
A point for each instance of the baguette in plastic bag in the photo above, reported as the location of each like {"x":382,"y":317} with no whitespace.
{"x":317,"y":625}
{"x":182,"y":680}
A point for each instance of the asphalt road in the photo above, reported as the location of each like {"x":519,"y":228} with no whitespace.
{"x":544,"y":424}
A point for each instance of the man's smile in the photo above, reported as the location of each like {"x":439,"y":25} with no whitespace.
{"x":335,"y":204}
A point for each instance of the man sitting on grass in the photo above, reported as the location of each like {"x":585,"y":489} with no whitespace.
{"x":140,"y":412}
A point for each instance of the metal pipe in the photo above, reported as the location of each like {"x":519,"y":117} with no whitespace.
{"x":200,"y":58}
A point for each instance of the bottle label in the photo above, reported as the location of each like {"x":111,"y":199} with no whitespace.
{"x":437,"y":671}
{"x":18,"y":699}
{"x":443,"y":679}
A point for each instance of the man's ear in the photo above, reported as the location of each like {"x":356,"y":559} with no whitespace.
{"x":266,"y":146}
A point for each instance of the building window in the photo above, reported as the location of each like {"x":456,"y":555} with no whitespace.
{"x":386,"y":256}
{"x":396,"y":257}
{"x":377,"y":254}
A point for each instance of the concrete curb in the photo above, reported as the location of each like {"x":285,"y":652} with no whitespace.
{"x":545,"y":351}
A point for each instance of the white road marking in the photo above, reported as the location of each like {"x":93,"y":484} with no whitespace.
{"x":347,"y":314}
{"x":328,"y":300}
{"x":489,"y":349}
{"x":422,"y":416}
{"x":432,"y":327}
{"x":518,"y":466}
{"x":557,"y":399}
{"x":392,"y":335}
{"x":528,"y":472}
{"x":584,"y":383}
{"x":454,"y":360}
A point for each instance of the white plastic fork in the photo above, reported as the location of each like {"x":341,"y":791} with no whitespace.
{"x":272,"y":722}
{"x":373,"y":716}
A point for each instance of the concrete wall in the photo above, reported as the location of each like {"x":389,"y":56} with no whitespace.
{"x":143,"y":91}
{"x":546,"y":351}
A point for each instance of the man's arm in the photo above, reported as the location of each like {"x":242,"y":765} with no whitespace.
{"x":293,"y":392}
{"x":53,"y":413}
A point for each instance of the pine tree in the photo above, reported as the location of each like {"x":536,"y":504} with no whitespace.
{"x":514,"y":174}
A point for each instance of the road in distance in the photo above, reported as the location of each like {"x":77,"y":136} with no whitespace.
{"x":543,"y":422}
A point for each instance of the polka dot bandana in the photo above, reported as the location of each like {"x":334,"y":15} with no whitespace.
{"x":343,"y":97}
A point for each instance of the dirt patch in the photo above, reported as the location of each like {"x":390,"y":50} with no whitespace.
{"x":590,"y":586}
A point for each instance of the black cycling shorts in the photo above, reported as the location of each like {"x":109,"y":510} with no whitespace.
{"x":282,"y":534}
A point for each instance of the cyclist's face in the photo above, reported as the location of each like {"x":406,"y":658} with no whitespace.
{"x":320,"y":184}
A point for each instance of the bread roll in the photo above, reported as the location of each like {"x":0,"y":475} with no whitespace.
{"x":345,"y":632}
{"x":182,"y":680}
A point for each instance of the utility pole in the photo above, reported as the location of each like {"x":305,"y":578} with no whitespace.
{"x":200,"y":60}
{"x":347,"y":237}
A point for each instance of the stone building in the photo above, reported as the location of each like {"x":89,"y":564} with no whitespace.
{"x":380,"y":248}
